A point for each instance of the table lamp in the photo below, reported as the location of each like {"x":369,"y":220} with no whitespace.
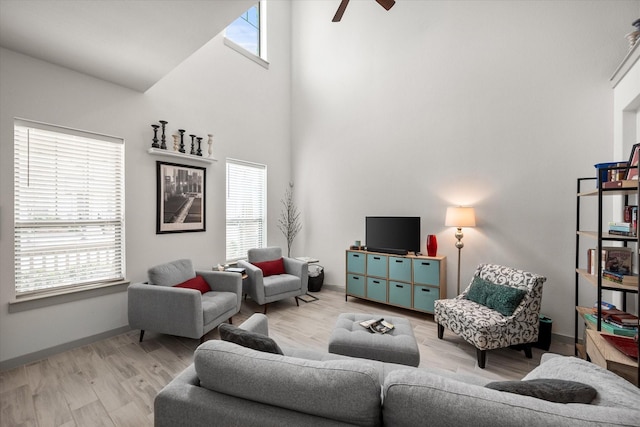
{"x":460,"y":216}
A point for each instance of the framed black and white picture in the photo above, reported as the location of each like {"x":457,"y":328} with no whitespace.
{"x":181,"y":198}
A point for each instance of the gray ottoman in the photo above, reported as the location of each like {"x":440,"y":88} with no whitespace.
{"x":397,"y":346}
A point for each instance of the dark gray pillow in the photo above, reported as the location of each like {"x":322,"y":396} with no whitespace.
{"x":553,"y":390}
{"x":248,"y":339}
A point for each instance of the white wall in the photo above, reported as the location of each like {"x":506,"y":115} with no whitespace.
{"x":215,"y":91}
{"x":499,"y":105}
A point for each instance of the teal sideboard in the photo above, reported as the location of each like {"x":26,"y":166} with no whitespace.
{"x":412,"y":282}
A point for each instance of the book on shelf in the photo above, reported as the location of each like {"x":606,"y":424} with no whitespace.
{"x":605,"y":306}
{"x":619,"y":318}
{"x":591,"y":261}
{"x":624,"y":227}
{"x":615,"y":259}
{"x":618,"y":259}
{"x":623,"y":183}
{"x":612,"y":276}
{"x":633,"y":327}
{"x":631,"y":215}
{"x":379,"y":326}
{"x":607,"y":327}
{"x":617,"y":279}
{"x":622,"y":233}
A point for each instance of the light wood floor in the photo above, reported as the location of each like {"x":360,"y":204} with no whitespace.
{"x":113,"y":382}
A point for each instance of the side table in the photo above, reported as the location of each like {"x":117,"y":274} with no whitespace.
{"x":606,"y":356}
{"x":309,"y":260}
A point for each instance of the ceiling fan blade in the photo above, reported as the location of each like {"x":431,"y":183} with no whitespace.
{"x":340,"y":11}
{"x":387,"y":4}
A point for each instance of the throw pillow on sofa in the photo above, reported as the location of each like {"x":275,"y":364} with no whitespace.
{"x":552,"y":390}
{"x":248,"y":339}
{"x":501,"y":298}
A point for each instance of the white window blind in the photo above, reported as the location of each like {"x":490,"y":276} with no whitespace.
{"x":246,"y":208}
{"x":69,"y":208}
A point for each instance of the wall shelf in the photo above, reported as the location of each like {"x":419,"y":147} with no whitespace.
{"x":178,"y":155}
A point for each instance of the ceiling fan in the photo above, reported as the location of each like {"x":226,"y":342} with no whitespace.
{"x":387,"y":4}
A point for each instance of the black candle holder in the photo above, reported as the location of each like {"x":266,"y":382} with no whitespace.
{"x":155,"y":136}
{"x":199,"y":152}
{"x":193,"y":142}
{"x":181,"y":140}
{"x":163,"y":144}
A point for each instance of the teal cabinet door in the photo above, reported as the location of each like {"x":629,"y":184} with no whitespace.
{"x":400,"y":294}
{"x":355,"y":285}
{"x":400,"y":269}
{"x":377,"y":289}
{"x":355,"y":262}
{"x":377,"y":265}
{"x":426,"y":272}
{"x":424,"y":296}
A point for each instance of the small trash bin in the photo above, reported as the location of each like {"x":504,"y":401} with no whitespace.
{"x":544,"y":335}
{"x":316,"y":277}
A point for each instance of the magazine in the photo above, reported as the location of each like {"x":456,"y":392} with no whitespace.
{"x":379,"y":326}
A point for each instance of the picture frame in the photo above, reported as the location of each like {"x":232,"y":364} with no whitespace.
{"x":181,"y":198}
{"x":631,"y":172}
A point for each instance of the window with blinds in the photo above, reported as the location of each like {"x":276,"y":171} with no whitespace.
{"x":246,"y":208}
{"x":69,"y":208}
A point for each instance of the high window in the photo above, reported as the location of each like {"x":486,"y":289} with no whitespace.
{"x":68,"y":209}
{"x":246,"y":208}
{"x":247,"y":34}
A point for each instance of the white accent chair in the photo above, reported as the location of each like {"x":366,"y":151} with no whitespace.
{"x":487,"y":329}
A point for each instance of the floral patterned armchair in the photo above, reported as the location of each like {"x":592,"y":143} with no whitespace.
{"x":486,"y":328}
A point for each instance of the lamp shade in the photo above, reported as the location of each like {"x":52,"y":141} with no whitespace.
{"x":460,"y":216}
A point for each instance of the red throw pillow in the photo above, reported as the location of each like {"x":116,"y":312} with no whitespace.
{"x":198,"y":283}
{"x":271,"y":268}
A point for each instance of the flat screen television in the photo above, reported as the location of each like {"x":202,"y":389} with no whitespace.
{"x":393,"y":234}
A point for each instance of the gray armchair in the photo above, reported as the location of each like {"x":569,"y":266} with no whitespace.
{"x":159,"y":306}
{"x":264,"y":290}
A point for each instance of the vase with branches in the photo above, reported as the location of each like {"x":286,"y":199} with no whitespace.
{"x":289,"y":221}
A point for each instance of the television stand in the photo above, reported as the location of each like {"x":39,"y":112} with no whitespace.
{"x":408,"y":281}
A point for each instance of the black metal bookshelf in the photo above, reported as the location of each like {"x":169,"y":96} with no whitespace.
{"x":590,"y":188}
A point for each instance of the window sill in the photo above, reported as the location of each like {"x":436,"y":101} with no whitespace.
{"x":26,"y":303}
{"x":258,"y":60}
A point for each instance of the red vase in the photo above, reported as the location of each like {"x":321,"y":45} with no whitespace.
{"x":432,"y":245}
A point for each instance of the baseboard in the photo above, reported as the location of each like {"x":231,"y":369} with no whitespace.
{"x":336,"y":288}
{"x":43,"y":354}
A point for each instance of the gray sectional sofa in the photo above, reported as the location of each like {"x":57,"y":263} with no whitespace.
{"x":230,"y":385}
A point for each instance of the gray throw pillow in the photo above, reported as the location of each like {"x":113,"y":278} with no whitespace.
{"x":553,"y":390}
{"x":501,"y":298}
{"x":248,"y":339}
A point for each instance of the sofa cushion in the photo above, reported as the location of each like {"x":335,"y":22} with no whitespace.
{"x":197,"y":283}
{"x":413,"y":396}
{"x":283,"y":283}
{"x":171,"y":273}
{"x":501,"y":298}
{"x":612,"y":390}
{"x":341,"y":390}
{"x":216,"y":304}
{"x":553,"y":390}
{"x":271,"y":268}
{"x":248,"y":339}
